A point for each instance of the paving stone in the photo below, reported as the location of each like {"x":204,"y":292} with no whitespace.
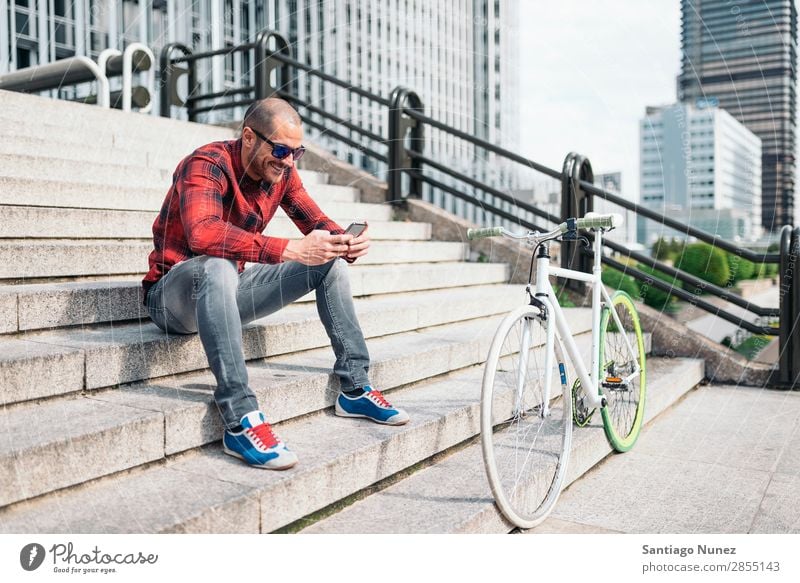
{"x":717,"y":426}
{"x":779,"y":512}
{"x":641,"y":493}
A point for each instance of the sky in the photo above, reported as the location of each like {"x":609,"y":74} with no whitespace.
{"x":588,"y":70}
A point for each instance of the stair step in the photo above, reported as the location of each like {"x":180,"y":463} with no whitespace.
{"x":66,"y":194}
{"x":88,"y":174}
{"x":110,"y":193}
{"x":22,"y":259}
{"x":338,"y":457}
{"x":33,"y":222}
{"x":39,"y":306}
{"x":453,"y":496}
{"x":95,"y":357}
{"x":108,"y":127}
{"x":70,"y":146}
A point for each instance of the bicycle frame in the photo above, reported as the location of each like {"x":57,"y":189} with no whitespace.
{"x":544,"y":293}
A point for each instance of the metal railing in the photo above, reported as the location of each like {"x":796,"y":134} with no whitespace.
{"x":405,"y":147}
{"x":65,"y":72}
{"x":79,"y":70}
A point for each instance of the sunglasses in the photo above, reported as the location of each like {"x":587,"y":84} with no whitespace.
{"x":281,"y":151}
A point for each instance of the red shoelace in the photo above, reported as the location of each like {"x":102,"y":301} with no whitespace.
{"x":263,"y":435}
{"x":381,"y":399}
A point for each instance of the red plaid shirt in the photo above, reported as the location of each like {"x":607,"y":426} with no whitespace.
{"x":214,"y":208}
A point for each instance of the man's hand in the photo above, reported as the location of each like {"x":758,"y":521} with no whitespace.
{"x":317,"y":247}
{"x":359,"y":245}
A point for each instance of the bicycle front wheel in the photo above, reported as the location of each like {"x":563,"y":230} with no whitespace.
{"x":526,"y":419}
{"x":621,"y":354}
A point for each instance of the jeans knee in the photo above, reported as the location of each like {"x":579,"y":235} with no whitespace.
{"x":216,"y":273}
{"x":335,"y":269}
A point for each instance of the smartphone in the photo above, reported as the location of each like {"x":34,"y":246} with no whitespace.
{"x":356,"y":229}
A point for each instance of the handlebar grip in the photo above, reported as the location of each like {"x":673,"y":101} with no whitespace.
{"x":597,"y":221}
{"x":473,"y":234}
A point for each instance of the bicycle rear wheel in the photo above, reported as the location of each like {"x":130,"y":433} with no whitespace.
{"x":624,"y":413}
{"x":526,"y":430}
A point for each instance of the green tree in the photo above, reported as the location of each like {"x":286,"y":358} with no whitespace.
{"x":706,"y":262}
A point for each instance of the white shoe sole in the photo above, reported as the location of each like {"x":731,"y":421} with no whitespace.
{"x":342,"y":413}
{"x":260,"y":466}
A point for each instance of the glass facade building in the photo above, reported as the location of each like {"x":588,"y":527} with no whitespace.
{"x":700,"y":166}
{"x":743,"y":56}
{"x":460,"y":56}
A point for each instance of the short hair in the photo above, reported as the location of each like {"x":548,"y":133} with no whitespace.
{"x":264,"y":114}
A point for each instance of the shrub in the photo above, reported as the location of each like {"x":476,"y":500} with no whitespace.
{"x":764,"y":270}
{"x":706,"y":262}
{"x":653,"y":296}
{"x":618,"y":280}
{"x":772,"y":269}
{"x":740,"y":268}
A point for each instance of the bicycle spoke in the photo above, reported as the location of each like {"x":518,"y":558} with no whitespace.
{"x":527,"y":445}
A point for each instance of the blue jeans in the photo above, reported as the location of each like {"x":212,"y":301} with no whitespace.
{"x":207,"y":295}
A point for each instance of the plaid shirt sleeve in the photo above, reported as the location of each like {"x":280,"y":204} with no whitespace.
{"x":202,"y":184}
{"x":304,"y":212}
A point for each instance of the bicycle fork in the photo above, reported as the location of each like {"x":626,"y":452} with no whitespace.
{"x":552,"y":349}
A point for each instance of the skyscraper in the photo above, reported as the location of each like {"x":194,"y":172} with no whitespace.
{"x":743,"y":56}
{"x":702,"y":167}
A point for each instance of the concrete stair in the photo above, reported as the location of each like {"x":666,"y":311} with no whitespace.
{"x":453,"y":496}
{"x":109,"y":425}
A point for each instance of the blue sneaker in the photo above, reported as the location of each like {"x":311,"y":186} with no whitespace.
{"x":257,"y":444}
{"x":371,"y":405}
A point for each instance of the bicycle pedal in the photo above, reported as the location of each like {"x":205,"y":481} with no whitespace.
{"x":614,"y":384}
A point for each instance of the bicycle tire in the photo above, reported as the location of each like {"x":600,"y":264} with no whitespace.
{"x":525,"y":455}
{"x":623,"y":414}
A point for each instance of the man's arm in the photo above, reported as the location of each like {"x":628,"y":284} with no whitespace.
{"x":301,"y":208}
{"x":202,"y":185}
{"x":305,"y":213}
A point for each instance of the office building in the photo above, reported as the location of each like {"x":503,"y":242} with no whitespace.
{"x":700,"y":166}
{"x":743,"y":56}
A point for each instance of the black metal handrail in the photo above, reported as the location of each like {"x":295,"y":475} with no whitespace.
{"x":266,"y":61}
{"x":682,"y":227}
{"x":406,"y":158}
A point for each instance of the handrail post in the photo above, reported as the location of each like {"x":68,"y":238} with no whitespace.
{"x":127,"y":75}
{"x":789,"y":291}
{"x":575,"y":202}
{"x":265,"y":64}
{"x":399,"y":160}
{"x":168,"y":75}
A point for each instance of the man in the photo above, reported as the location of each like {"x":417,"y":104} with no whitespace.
{"x":221,"y":199}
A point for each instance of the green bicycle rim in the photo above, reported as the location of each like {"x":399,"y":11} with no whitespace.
{"x":623,"y":443}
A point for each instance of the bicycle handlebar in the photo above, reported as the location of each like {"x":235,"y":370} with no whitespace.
{"x":596,"y":221}
{"x":590,"y":221}
{"x":481,"y":233}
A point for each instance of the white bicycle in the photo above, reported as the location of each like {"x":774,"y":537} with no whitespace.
{"x":526,"y":419}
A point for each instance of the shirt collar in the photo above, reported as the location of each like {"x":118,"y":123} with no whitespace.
{"x":242,"y":177}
